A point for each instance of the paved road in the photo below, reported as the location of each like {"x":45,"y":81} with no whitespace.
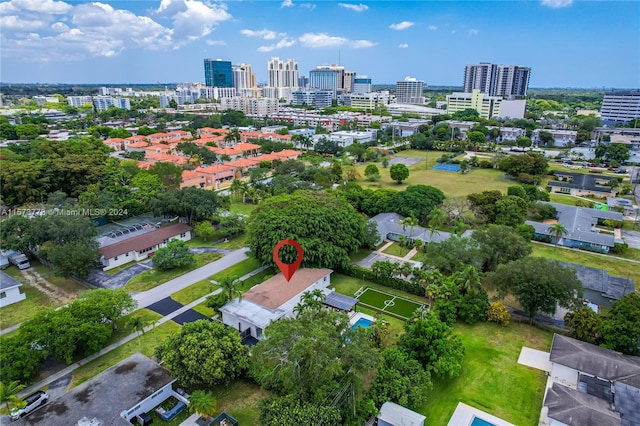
{"x":158,"y":293}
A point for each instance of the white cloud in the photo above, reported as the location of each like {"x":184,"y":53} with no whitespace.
{"x":285,"y":42}
{"x":401,"y":26}
{"x":474,"y":32}
{"x":197,"y":21}
{"x":556,"y":4}
{"x":432,"y":27}
{"x":40,"y":6}
{"x":403,"y":45}
{"x":286,"y":3}
{"x":325,"y":40}
{"x":59,"y":27}
{"x":216,"y":42}
{"x":264,"y":34}
{"x":309,"y":6}
{"x":16,"y":23}
{"x":355,"y":7}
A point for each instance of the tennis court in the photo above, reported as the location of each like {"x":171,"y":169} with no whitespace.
{"x":386,"y":302}
{"x":447,"y":167}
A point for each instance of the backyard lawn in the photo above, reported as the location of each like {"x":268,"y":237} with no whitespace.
{"x":152,"y":278}
{"x":491,"y":379}
{"x":616,"y":267}
{"x":240,"y":399}
{"x":396,"y":249}
{"x":234,"y":243}
{"x":36,"y":300}
{"x":240,"y":208}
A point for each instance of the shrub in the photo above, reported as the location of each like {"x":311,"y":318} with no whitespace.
{"x":498,"y":313}
{"x":619,"y":248}
{"x":391,"y":282}
{"x":485,"y":164}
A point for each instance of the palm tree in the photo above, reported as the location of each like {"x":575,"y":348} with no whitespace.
{"x":557,"y":231}
{"x":409,"y":221}
{"x":138,"y":324}
{"x":310,"y":300}
{"x":436,"y":218}
{"x":9,"y":393}
{"x":230,"y":286}
{"x":203,"y":403}
{"x":236,"y":188}
{"x":468,"y":279}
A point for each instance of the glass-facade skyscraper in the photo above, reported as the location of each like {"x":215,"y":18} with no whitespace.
{"x":218,"y":73}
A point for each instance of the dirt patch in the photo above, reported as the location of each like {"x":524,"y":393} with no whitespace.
{"x":84,"y":396}
{"x":35,"y":280}
{"x":550,"y":221}
{"x":125,"y":368}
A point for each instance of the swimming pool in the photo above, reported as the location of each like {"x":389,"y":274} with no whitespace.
{"x":362,"y":322}
{"x":477,"y":421}
{"x":447,"y":167}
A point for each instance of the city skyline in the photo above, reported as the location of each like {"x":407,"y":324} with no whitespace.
{"x":565,"y":43}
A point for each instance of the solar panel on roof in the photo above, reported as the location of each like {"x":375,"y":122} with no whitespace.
{"x":340,"y":301}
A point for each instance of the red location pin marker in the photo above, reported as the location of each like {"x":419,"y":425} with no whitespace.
{"x":287,"y":269}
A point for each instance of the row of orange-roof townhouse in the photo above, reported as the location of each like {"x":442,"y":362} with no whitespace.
{"x":220,"y":175}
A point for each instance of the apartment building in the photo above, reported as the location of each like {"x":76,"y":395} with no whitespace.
{"x":282,"y":78}
{"x":317,"y":98}
{"x":409,"y":91}
{"x":487,"y":106}
{"x":497,"y":80}
{"x":620,"y":107}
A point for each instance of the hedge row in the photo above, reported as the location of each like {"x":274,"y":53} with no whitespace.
{"x":391,"y":282}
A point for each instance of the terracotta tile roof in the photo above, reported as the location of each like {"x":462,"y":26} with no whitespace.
{"x":216,"y":168}
{"x":144,"y":241}
{"x":246,"y":146}
{"x":244,"y":162}
{"x":275,"y":291}
{"x":138,"y":145}
{"x":113,"y":140}
{"x":287,"y":153}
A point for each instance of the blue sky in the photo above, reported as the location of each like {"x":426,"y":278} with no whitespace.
{"x":567,"y":43}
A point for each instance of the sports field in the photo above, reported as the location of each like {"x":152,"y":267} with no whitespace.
{"x":385,"y":302}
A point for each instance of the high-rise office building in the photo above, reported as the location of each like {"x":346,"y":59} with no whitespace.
{"x":218,"y":73}
{"x":497,"y":80}
{"x":325,"y":78}
{"x":243,"y":78}
{"x":409,"y":91}
{"x":620,"y":107}
{"x":361,"y":84}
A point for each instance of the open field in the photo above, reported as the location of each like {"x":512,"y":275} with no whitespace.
{"x":240,"y":208}
{"x":616,"y":267}
{"x":491,"y":379}
{"x":387,"y":302}
{"x":152,"y":278}
{"x":452,"y":184}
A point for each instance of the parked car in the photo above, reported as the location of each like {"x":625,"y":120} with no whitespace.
{"x":33,"y":401}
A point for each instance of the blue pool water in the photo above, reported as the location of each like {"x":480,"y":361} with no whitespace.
{"x":479,"y":422}
{"x":362,"y":322}
{"x":447,"y":167}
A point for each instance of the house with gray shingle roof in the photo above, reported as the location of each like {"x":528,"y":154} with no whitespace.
{"x":581,"y":184}
{"x":580,"y":223}
{"x":591,"y":386}
{"x":390,"y":228}
{"x":600,"y":287}
{"x":10,"y":290}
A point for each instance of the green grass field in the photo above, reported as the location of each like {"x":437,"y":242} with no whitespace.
{"x":396,"y":249}
{"x":386,"y":302}
{"x":194,"y":292}
{"x":234,"y":243}
{"x":491,"y":378}
{"x":152,"y":278}
{"x":616,"y":267}
{"x":238,"y":270}
{"x":452,"y":184}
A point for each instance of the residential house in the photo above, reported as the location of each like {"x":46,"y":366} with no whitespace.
{"x":125,"y":249}
{"x":582,"y":184}
{"x":273,"y":299}
{"x":208,"y":176}
{"x":599,"y":287}
{"x":591,"y":386}
{"x":560,"y":137}
{"x":136,"y":146}
{"x":390,"y":228}
{"x":580,"y":223}
{"x":116,"y":143}
{"x":114,"y":397}
{"x":627,"y":207}
{"x":392,"y":414}
{"x":10,"y":290}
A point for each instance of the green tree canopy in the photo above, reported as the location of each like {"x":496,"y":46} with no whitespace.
{"x":195,"y":204}
{"x":433,"y":344}
{"x":539,"y":284}
{"x":174,"y":255}
{"x":309,"y":356}
{"x":417,"y":201}
{"x":621,"y":325}
{"x":500,"y":244}
{"x":204,"y":354}
{"x":326,"y":226}
{"x":399,"y":172}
